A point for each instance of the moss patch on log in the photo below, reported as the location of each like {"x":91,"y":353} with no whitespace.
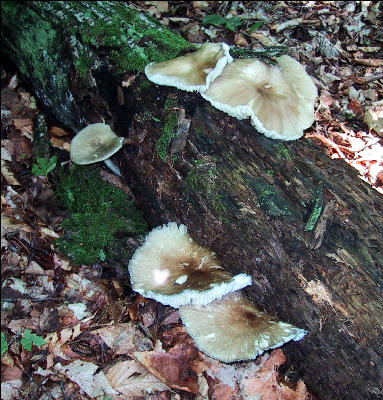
{"x":102,"y":217}
{"x":135,"y":38}
{"x":201,"y":180}
{"x":169,"y":130}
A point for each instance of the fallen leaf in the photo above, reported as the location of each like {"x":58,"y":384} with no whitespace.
{"x":7,"y":174}
{"x":174,"y":367}
{"x":124,"y":338}
{"x":48,"y":233}
{"x":63,"y":264}
{"x":9,"y":390}
{"x":11,"y":374}
{"x":265,"y":384}
{"x":79,"y":310}
{"x":369,"y":62}
{"x":61,"y":143}
{"x":84,"y":374}
{"x":25,"y":125}
{"x":131,"y":379}
{"x":58,"y":132}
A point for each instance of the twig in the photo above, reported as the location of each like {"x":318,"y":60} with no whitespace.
{"x":368,"y":79}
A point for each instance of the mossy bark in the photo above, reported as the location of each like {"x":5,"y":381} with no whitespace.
{"x":306,"y":227}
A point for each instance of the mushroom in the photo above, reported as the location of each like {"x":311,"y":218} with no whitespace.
{"x":173,"y":269}
{"x":192,"y":72}
{"x":96,"y":142}
{"x":234,"y":329}
{"x":278,"y":98}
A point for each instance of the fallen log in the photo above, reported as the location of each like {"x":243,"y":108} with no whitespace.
{"x":304,"y":226}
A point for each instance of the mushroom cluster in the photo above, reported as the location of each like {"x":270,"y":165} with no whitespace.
{"x":173,"y":269}
{"x":279,"y":99}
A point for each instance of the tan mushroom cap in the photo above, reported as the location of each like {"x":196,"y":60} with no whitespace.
{"x":279,"y":99}
{"x":96,"y":142}
{"x":233,"y":329}
{"x":173,"y":269}
{"x":192,"y":72}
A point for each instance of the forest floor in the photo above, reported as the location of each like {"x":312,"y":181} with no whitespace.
{"x":71,"y":331}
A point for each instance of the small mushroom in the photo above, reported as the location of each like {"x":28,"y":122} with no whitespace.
{"x":96,"y":142}
{"x":192,"y":72}
{"x":279,"y":99}
{"x":234,"y":329}
{"x":173,"y":269}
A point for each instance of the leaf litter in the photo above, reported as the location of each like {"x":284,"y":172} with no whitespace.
{"x":70,"y":332}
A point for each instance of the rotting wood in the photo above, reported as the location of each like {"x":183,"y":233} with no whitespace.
{"x":315,"y":255}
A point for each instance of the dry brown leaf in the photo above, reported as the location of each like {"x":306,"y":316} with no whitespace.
{"x":48,"y":233}
{"x":124,"y":338}
{"x":174,"y":367}
{"x":9,"y":390}
{"x":11,"y":374}
{"x":58,"y":132}
{"x":264,"y":383}
{"x":34,"y":269}
{"x":369,"y":62}
{"x":25,"y":125}
{"x":7,"y":174}
{"x":131,"y":379}
{"x":84,"y":374}
{"x":63,"y":264}
{"x":61,"y":143}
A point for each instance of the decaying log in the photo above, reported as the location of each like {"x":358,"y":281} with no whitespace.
{"x":306,"y":227}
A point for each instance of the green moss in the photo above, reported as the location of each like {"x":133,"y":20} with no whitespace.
{"x":269,"y":197}
{"x":137,"y":39}
{"x":201,"y":180}
{"x":83,"y":63}
{"x":101,"y":216}
{"x":38,"y":45}
{"x":282,"y":151}
{"x":317,"y":210}
{"x":169,"y":131}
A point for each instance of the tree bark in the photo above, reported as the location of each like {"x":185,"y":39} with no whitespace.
{"x":304,"y":226}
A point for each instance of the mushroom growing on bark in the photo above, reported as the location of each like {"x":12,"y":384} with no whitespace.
{"x":192,"y":72}
{"x":96,"y":142}
{"x":173,"y":269}
{"x":234,"y":329}
{"x":279,"y":99}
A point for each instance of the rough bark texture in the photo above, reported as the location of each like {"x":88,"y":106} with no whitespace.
{"x":306,"y":227}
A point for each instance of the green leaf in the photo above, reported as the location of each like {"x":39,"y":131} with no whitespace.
{"x":4,"y":344}
{"x":234,"y":21}
{"x":30,"y":338}
{"x":214,"y":19}
{"x":44,"y":166}
{"x":218,"y":20}
{"x":255,"y":26}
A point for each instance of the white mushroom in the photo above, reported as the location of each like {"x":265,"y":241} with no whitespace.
{"x":278,"y":99}
{"x":96,"y":142}
{"x":233,"y":329}
{"x":173,"y":269}
{"x":192,"y":72}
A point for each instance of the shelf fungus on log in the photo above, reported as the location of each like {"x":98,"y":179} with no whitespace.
{"x":279,"y":99}
{"x":97,"y":142}
{"x":192,"y":72}
{"x":234,"y":329}
{"x":172,"y":268}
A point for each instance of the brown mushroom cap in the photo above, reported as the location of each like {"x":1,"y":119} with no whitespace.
{"x":278,"y":99}
{"x":233,"y":329}
{"x":193,"y":72}
{"x":96,"y":142}
{"x":172,"y":269}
